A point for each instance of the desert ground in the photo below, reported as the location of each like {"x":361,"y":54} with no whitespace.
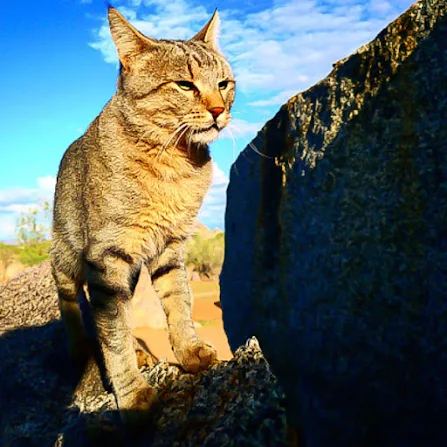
{"x":208,"y":319}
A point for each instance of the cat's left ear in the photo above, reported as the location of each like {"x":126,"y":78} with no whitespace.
{"x":129,"y":42}
{"x":209,"y":33}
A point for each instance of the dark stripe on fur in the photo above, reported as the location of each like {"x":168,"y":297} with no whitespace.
{"x":166,"y":295}
{"x":95,"y":265}
{"x":173,"y":240}
{"x":164,"y":270}
{"x":134,"y":276}
{"x":197,"y":59}
{"x":150,"y":92}
{"x":119,"y":253}
{"x":105,"y":289}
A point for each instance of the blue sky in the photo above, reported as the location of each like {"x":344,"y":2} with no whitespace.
{"x":59,"y":69}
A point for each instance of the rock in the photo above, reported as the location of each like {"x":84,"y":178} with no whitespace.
{"x":46,"y":401}
{"x":146,"y":306}
{"x":29,"y":299}
{"x":195,"y":276}
{"x":14,"y":269}
{"x":338,"y":263}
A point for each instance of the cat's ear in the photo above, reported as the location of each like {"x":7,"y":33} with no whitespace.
{"x":209,"y":33}
{"x":129,"y":42}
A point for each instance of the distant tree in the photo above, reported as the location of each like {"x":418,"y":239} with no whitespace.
{"x":32,"y":234}
{"x":29,"y":230}
{"x":205,"y":254}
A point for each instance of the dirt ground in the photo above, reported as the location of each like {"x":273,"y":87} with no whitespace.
{"x":208,"y":318}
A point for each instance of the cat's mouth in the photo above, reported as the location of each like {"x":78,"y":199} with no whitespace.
{"x":214,"y":126}
{"x":206,"y":135}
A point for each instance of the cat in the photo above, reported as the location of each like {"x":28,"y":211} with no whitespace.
{"x":128,"y":192}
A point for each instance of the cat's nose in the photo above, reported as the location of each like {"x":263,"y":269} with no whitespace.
{"x":216,"y":111}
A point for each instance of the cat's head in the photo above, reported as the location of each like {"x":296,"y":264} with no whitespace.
{"x":181,"y":87}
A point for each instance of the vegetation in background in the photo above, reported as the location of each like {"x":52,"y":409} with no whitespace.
{"x":33,"y":234}
{"x":8,"y":254}
{"x":206,"y":254}
{"x":33,"y":231}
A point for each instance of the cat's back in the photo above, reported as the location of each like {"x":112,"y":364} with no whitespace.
{"x":72,"y":181}
{"x":73,"y":167}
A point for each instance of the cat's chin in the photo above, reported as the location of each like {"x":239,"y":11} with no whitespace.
{"x":205,"y":136}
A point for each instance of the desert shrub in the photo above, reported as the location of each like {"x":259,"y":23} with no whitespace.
{"x":34,"y":253}
{"x":33,"y":227}
{"x":205,"y":254}
{"x":32,"y":234}
{"x":8,"y":254}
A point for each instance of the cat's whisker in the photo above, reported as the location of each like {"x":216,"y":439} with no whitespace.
{"x":142,"y":137}
{"x":158,"y":127}
{"x":170,"y":138}
{"x":154,"y":204}
{"x":251,"y":145}
{"x":189,"y":141}
{"x":181,"y":135}
{"x":147,"y":132}
{"x":234,"y":147}
{"x":167,"y":123}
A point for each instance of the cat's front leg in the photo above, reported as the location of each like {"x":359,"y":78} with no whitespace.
{"x":111,"y":279}
{"x":170,"y":281}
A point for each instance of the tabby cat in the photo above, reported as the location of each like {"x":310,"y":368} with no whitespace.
{"x":128,"y":192}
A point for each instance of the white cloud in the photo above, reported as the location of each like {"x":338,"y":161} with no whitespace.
{"x":172,"y":20}
{"x":275,"y":52}
{"x":239,"y":128}
{"x":47,"y":183}
{"x":7,"y":227}
{"x":14,"y":201}
{"x":380,"y":6}
{"x":275,"y":100}
{"x":213,"y":208}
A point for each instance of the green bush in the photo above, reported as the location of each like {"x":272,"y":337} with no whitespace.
{"x":34,"y":253}
{"x":33,"y":227}
{"x":32,"y":233}
{"x":205,"y":254}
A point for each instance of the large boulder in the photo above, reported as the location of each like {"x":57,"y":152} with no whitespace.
{"x":46,"y":401}
{"x":336,"y":243}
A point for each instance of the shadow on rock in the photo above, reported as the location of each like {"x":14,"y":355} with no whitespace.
{"x":38,"y":381}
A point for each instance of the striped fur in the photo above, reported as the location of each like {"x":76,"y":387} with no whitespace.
{"x":128,"y":192}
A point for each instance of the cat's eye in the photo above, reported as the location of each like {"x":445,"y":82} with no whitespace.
{"x":223,"y":85}
{"x":186,"y":85}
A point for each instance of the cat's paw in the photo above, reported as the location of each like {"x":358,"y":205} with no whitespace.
{"x":144,"y":357}
{"x":197,"y":356}
{"x":136,"y":408}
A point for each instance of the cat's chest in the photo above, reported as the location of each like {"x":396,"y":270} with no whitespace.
{"x":181,"y":197}
{"x":171,"y":205}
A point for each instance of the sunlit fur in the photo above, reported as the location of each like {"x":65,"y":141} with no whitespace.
{"x":128,"y":192}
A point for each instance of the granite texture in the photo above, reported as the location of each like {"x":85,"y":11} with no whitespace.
{"x":46,"y":401}
{"x":336,"y":243}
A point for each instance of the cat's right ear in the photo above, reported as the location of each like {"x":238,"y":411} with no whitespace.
{"x":208,"y":34}
{"x":129,"y":42}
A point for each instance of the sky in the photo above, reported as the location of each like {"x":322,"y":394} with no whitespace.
{"x":59,"y":68}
